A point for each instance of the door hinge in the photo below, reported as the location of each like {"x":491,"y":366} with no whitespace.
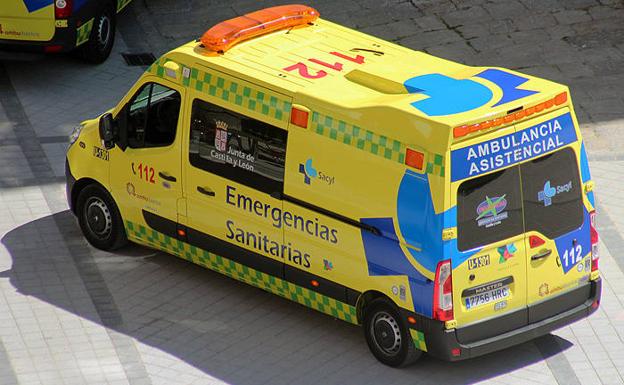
{"x":589,"y":186}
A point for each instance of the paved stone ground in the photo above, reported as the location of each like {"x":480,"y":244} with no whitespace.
{"x":70,"y":314}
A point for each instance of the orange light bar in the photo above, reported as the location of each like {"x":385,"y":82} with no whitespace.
{"x":558,"y":100}
{"x":230,"y":32}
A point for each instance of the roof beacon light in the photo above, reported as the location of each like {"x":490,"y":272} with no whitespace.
{"x":558,"y":100}
{"x":230,"y":32}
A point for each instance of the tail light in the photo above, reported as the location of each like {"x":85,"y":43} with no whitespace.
{"x":443,"y":292}
{"x":63,"y":8}
{"x":594,"y":240}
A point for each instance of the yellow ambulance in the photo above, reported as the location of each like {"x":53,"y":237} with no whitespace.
{"x":60,"y":26}
{"x":447,"y":209}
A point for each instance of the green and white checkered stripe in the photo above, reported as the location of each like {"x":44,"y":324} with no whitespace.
{"x":419,"y":339}
{"x":436,"y":165}
{"x":369,"y":141}
{"x":358,"y":137}
{"x":83,"y":32}
{"x":121,"y":4}
{"x":275,"y":106}
{"x":324,"y":304}
{"x":231,"y":91}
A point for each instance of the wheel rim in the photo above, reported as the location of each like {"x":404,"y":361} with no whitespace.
{"x":386,"y":333}
{"x":98,"y":218}
{"x":103,"y":31}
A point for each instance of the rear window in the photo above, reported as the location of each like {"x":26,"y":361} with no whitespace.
{"x":551,"y":189}
{"x":490,"y":207}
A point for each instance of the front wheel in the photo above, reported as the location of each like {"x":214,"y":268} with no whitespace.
{"x":388,"y":336}
{"x":102,"y":37}
{"x":99,"y":218}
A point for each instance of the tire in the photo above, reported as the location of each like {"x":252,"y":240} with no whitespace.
{"x":102,"y":38}
{"x":99,"y":218}
{"x":387,"y":334}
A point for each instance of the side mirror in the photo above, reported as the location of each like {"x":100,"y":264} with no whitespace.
{"x":107,"y":131}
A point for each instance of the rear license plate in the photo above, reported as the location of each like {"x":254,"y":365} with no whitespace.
{"x":486,"y":297}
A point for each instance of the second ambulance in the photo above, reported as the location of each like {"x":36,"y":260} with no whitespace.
{"x":447,"y":209}
{"x":84,"y":26}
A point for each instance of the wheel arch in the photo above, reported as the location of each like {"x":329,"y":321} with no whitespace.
{"x":110,"y":5}
{"x":365,"y":299}
{"x":78,"y":186}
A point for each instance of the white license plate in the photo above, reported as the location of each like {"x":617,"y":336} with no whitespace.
{"x":486,"y":297}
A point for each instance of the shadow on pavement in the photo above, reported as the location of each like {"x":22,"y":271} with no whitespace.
{"x":225,"y":328}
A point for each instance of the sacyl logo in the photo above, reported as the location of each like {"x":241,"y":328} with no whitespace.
{"x":309,"y":173}
{"x":548,"y":192}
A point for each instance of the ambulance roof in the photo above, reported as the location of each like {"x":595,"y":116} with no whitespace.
{"x":266,"y":57}
{"x":385,"y":78}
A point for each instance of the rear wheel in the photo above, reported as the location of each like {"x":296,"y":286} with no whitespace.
{"x":99,"y":218}
{"x":102,"y":38}
{"x":388,"y":336}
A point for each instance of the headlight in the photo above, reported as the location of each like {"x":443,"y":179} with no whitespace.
{"x":75,"y":134}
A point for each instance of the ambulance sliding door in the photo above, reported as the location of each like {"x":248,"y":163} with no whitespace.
{"x":234,"y":170}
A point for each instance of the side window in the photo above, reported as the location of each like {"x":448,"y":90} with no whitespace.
{"x":153,"y":116}
{"x":237,"y":147}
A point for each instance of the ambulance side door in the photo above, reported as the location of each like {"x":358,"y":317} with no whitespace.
{"x":234,"y":177}
{"x":145,"y":176}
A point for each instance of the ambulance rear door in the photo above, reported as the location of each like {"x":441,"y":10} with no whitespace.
{"x":557,"y":222}
{"x":489,"y":269}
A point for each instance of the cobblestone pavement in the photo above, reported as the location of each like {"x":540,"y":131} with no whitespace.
{"x":70,"y":314}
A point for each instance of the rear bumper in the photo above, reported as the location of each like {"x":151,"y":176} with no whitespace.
{"x":440,"y":341}
{"x":65,"y":38}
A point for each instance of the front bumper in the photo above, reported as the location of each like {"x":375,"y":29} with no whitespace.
{"x":70,"y":181}
{"x":537,"y":320}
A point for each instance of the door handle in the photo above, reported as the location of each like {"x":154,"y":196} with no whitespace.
{"x":205,"y":191}
{"x":166,"y":176}
{"x":541,"y":254}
